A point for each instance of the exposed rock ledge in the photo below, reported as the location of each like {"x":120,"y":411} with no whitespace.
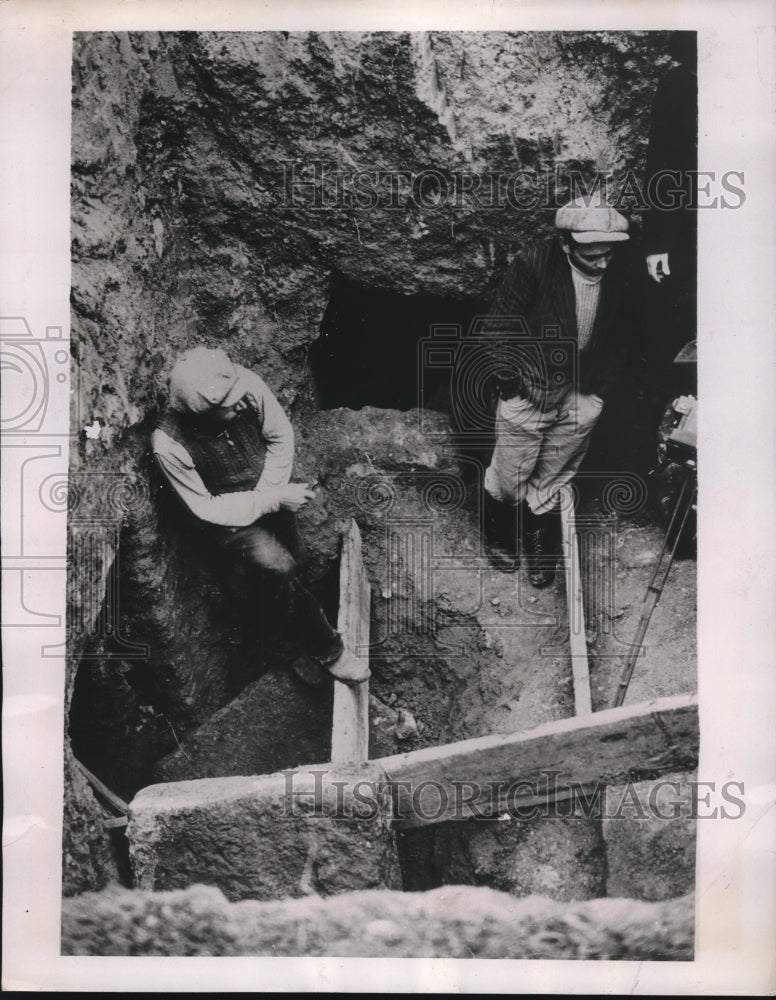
{"x":452,"y":922}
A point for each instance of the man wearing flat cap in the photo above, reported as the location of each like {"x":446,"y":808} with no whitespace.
{"x":557,"y":338}
{"x":226,"y":447}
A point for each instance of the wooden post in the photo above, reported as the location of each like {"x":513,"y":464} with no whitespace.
{"x":488,"y":775}
{"x":350,"y":723}
{"x":576,"y":610}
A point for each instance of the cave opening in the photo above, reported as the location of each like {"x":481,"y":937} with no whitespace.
{"x":370,"y":351}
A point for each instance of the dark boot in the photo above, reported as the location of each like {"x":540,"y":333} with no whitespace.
{"x":307,"y":670}
{"x":322,"y":643}
{"x":325,"y":646}
{"x":541,"y":535}
{"x":501,"y":534}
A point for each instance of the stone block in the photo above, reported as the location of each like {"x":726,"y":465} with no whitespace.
{"x":300,"y":832}
{"x":649,"y":833}
{"x":560,"y":857}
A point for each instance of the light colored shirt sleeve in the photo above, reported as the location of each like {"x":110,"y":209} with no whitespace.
{"x":276,"y":431}
{"x":232,"y":510}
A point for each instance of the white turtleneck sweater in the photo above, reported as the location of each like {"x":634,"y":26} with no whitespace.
{"x":587,"y":292}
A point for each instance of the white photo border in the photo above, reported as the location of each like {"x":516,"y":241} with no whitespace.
{"x":736,"y":872}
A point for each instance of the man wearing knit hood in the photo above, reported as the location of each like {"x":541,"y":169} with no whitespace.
{"x":226,"y":447}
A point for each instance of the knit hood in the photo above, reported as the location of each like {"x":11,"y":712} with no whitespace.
{"x":202,"y":378}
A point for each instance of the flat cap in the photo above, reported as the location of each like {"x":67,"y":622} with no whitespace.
{"x":591,"y":221}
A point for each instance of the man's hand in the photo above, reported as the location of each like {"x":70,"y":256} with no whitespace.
{"x":295,"y":495}
{"x":657,"y":266}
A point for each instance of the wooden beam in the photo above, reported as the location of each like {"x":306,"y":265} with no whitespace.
{"x":483,"y":776}
{"x":102,"y":791}
{"x":115,"y":823}
{"x":575,"y":602}
{"x":350,"y":723}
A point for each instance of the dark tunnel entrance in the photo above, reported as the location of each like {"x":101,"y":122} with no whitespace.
{"x":369,"y":350}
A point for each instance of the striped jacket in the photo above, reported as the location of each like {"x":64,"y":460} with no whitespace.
{"x":531,"y":327}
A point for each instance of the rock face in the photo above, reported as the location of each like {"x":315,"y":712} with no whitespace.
{"x":277,"y":722}
{"x":298,"y":833}
{"x":88,"y":861}
{"x":194,"y":215}
{"x":168,"y":639}
{"x":559,"y":857}
{"x":453,"y":922}
{"x":201,"y":212}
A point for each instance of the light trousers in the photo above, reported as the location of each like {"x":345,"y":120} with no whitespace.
{"x":538,"y":451}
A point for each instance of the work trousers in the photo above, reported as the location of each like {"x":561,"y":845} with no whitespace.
{"x":538,"y":451}
{"x":269,"y":551}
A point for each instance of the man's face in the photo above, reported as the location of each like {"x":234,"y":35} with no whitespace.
{"x":591,"y":259}
{"x":219,"y":416}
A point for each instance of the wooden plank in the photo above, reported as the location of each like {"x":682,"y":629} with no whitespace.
{"x":350,"y":722}
{"x":115,"y":823}
{"x":482,"y":776}
{"x":575,"y":602}
{"x":102,"y":791}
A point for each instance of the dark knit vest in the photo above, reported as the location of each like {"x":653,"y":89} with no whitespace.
{"x":228,"y":460}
